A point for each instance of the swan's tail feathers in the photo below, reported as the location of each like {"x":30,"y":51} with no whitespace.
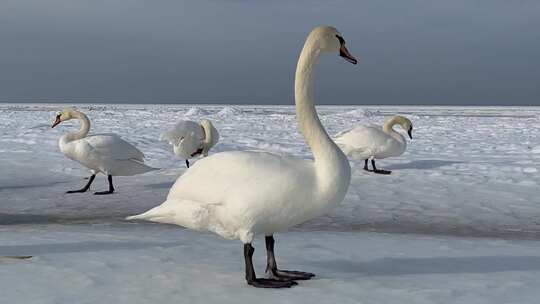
{"x":157,"y":214}
{"x":189,"y":214}
{"x":147,"y":216}
{"x":129,"y":167}
{"x":138,"y":167}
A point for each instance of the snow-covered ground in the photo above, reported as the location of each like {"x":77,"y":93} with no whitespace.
{"x":458,"y":221}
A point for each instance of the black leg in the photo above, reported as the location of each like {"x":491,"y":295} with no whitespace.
{"x":379,"y":171}
{"x":366,"y":165}
{"x":111,"y":187}
{"x":86,"y":187}
{"x":274,"y":272}
{"x":252,"y":279}
{"x":187,"y":163}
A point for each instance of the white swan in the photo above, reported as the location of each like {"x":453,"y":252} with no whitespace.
{"x":190,"y":139}
{"x":373,"y":142}
{"x":241,"y":194}
{"x":105,"y":153}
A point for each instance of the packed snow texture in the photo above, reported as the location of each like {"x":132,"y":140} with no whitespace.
{"x":468,"y":172}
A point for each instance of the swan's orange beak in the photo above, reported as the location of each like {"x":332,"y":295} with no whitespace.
{"x":343,"y":52}
{"x":57,"y":121}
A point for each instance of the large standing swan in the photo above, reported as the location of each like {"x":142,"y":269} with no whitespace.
{"x":241,"y":194}
{"x":373,"y":142}
{"x":105,"y":153}
{"x":190,"y":139}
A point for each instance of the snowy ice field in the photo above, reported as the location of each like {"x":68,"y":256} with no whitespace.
{"x":458,"y":221}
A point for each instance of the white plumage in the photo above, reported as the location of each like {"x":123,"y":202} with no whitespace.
{"x":190,"y":139}
{"x":105,"y":153}
{"x":375,"y":142}
{"x":241,"y":194}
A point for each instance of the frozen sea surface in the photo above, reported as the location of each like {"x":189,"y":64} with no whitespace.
{"x":458,"y":221}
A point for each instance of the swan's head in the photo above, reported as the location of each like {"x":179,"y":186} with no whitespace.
{"x":329,"y":39}
{"x":405,"y":123}
{"x":66,"y":114}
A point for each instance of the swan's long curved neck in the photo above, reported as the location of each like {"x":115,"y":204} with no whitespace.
{"x":329,"y":159}
{"x":83,"y":131}
{"x":388,"y":128}
{"x":208,"y":136}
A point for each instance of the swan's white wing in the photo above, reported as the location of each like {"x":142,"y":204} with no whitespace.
{"x":112,"y":146}
{"x":186,"y":137}
{"x":230,"y":190}
{"x":184,"y":128}
{"x":240,"y":174}
{"x":363,"y":142}
{"x":357,"y":131}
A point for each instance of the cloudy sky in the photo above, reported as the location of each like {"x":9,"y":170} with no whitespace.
{"x":466,"y":52}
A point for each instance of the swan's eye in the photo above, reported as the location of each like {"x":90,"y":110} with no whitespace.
{"x":341,"y":40}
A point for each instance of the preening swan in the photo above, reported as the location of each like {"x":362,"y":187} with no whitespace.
{"x":190,"y":139}
{"x":105,"y":153}
{"x":373,"y":142}
{"x":241,"y":194}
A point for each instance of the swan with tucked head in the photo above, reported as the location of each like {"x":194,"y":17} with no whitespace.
{"x":373,"y":142}
{"x":190,"y":139}
{"x":105,"y":153}
{"x":239,"y":195}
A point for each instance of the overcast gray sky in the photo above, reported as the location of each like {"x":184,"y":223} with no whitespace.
{"x":477,"y":52}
